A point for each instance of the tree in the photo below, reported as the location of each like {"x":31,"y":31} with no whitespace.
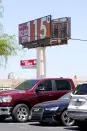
{"x":1,"y":9}
{"x":8,"y":47}
{"x":7,"y":42}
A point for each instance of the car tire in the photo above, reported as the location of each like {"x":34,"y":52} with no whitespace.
{"x":20,"y":113}
{"x":81,"y":124}
{"x":43,"y":123}
{"x":66,"y":120}
{"x":2,"y":118}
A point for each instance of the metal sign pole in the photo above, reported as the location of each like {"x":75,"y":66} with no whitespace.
{"x":41,"y":62}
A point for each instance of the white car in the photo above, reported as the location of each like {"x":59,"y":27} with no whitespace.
{"x":77,"y":108}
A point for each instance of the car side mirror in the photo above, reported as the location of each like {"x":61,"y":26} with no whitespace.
{"x":40,"y":88}
{"x":37,"y":90}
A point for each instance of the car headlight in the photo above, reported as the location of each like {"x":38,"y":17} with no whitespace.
{"x":5,"y":99}
{"x":52,"y":108}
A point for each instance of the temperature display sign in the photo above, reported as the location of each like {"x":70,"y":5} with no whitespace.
{"x":35,"y":30}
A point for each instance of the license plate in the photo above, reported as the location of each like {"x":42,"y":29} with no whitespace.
{"x":78,"y":103}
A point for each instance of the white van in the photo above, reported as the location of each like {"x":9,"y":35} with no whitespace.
{"x":77,"y":108}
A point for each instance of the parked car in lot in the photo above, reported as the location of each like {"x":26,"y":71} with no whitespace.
{"x":52,"y":111}
{"x":18,"y":102}
{"x":77,"y":108}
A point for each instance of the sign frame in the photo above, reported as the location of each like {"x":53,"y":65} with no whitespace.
{"x":50,"y":40}
{"x":32,"y":43}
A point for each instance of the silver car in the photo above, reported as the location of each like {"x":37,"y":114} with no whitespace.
{"x":77,"y":108}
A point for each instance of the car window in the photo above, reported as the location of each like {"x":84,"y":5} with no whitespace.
{"x":26,"y":85}
{"x":65,"y":97}
{"x":45,"y":86}
{"x":81,"y":89}
{"x":62,"y":85}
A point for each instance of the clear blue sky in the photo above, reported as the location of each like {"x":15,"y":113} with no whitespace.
{"x":66,"y":60}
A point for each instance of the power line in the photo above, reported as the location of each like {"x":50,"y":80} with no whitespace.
{"x":78,"y":39}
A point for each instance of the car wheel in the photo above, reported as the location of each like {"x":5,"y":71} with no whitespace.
{"x":2,"y":118}
{"x":81,"y":124}
{"x":43,"y":123}
{"x":20,"y":113}
{"x":66,"y":120}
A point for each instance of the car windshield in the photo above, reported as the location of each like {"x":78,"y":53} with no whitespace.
{"x":81,"y":89}
{"x":26,"y":85}
{"x":65,"y":97}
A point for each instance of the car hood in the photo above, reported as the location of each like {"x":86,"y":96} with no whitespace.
{"x":11,"y":92}
{"x":54,"y":103}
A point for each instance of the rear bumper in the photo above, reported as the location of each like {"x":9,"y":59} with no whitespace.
{"x":5,"y":110}
{"x":78,"y":115}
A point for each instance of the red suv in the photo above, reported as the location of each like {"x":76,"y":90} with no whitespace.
{"x":19,"y":101}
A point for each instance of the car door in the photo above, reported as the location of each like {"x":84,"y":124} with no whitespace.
{"x":45,"y":92}
{"x":60,"y":87}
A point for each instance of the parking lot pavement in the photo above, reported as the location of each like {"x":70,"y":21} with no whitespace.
{"x":9,"y":125}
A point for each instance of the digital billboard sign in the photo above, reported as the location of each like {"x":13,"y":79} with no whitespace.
{"x":45,"y":31}
{"x":35,"y":30}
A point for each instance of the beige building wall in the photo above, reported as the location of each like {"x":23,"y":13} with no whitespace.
{"x":10,"y":82}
